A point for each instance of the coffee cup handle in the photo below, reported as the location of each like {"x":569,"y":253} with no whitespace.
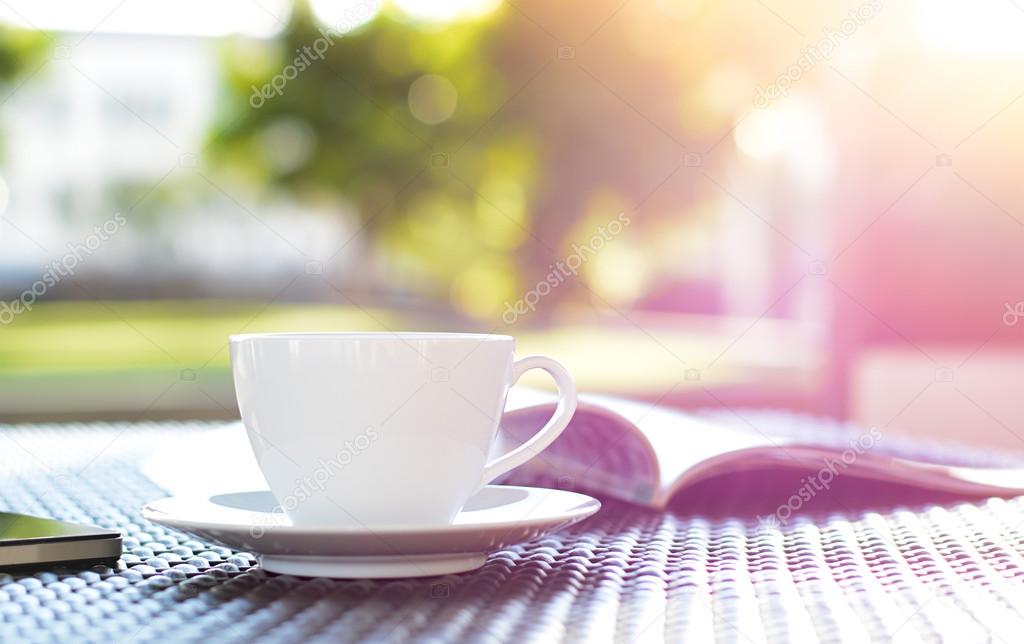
{"x":551,"y":430}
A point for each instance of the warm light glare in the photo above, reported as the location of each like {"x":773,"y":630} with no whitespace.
{"x":793,"y":131}
{"x":446,"y":10}
{"x":618,"y":273}
{"x":985,"y":27}
{"x":345,"y":15}
{"x":725,"y":87}
{"x":763,"y":133}
{"x":679,"y":9}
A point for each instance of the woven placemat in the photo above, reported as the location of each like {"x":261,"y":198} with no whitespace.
{"x":937,"y":573}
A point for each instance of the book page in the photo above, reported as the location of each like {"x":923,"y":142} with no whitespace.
{"x":598,"y":451}
{"x":682,"y":441}
{"x":644,"y":453}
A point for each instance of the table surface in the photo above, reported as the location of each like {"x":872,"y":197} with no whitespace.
{"x":952,"y":571}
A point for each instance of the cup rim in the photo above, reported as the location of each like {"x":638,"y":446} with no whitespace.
{"x":397,"y":336}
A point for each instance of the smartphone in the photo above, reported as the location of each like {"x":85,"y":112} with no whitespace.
{"x":33,"y":541}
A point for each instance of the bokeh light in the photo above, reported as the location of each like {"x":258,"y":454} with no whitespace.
{"x":971,"y":27}
{"x":288,"y":144}
{"x":619,"y":273}
{"x":482,"y":288}
{"x":440,"y":11}
{"x":432,"y":99}
{"x":345,"y":15}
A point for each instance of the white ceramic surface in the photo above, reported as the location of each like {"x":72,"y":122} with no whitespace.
{"x":357,"y":429}
{"x":496,"y":516}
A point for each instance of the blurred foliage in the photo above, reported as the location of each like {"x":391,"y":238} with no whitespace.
{"x":388,"y":122}
{"x":20,"y":50}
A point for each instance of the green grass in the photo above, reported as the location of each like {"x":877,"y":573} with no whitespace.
{"x":65,"y":340}
{"x":69,"y":338}
{"x":70,"y":357}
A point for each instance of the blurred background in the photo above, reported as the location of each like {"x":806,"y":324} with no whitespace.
{"x":707,"y":204}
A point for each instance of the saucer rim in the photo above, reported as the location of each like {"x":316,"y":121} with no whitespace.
{"x":587,"y":507}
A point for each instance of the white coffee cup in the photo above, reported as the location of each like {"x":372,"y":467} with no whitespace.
{"x":382,"y":429}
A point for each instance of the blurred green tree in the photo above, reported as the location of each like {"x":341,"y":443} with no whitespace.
{"x":21,"y":51}
{"x":383,"y":117}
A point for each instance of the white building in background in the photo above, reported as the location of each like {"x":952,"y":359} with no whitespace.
{"x":116,"y":110}
{"x":110,"y":110}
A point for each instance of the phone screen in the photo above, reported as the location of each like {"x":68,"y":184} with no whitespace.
{"x":22,"y":528}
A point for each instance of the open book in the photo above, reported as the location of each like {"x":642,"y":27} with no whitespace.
{"x":647,"y":453}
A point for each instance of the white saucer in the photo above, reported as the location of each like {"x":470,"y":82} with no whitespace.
{"x":496,"y":516}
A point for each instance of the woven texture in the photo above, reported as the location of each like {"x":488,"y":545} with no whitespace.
{"x":952,"y":573}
